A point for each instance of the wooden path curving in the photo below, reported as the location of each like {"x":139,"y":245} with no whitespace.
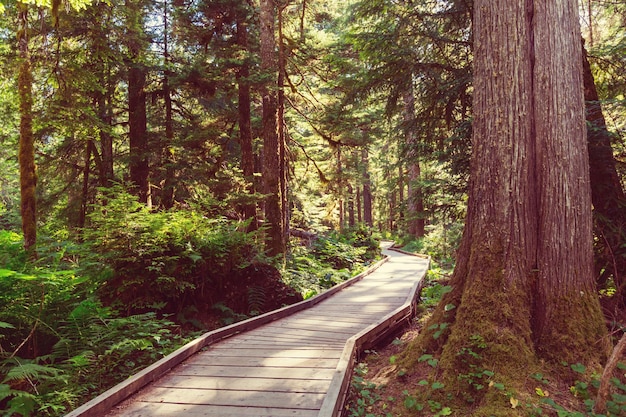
{"x":296,"y":361}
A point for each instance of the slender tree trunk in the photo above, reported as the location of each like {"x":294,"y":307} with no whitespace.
{"x":415,"y":203}
{"x":392,"y":210}
{"x":167,"y":195}
{"x":523,"y":290}
{"x":367,"y":189}
{"x":340,"y":189}
{"x":26,"y":155}
{"x":282,"y":134}
{"x":359,"y":204}
{"x":245,"y":124}
{"x":84,"y":200}
{"x":607,"y":195}
{"x":351,"y":221}
{"x":401,"y":202}
{"x":137,"y":119}
{"x":271,"y":147}
{"x":106,"y":141}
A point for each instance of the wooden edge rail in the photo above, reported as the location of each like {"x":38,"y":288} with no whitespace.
{"x":337,"y":393}
{"x":104,"y":402}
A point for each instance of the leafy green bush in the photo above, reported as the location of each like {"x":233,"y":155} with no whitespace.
{"x":165,"y":260}
{"x":12,"y":256}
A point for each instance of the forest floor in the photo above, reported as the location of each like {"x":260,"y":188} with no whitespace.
{"x":381,"y":388}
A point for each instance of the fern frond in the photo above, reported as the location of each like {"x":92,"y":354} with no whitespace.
{"x":31,"y":371}
{"x":256,"y":299}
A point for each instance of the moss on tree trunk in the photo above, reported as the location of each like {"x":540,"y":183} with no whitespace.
{"x":523,"y":291}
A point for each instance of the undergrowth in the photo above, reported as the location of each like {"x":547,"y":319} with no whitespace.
{"x":88,"y":313}
{"x":330,"y":260}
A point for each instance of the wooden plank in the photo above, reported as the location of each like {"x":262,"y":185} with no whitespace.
{"x":369,"y":300}
{"x":273,"y":352}
{"x":261,"y":361}
{"x":318,"y":386}
{"x":322,"y":331}
{"x":295,"y":338}
{"x":288,"y":344}
{"x":232,"y":398}
{"x":191,"y":410}
{"x":298,"y":334}
{"x":322,"y":321}
{"x":330,"y":317}
{"x":359,"y":310}
{"x":360,"y":315}
{"x":266,"y":372}
{"x":274,"y":344}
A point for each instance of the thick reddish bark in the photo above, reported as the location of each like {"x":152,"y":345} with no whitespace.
{"x":523,"y":286}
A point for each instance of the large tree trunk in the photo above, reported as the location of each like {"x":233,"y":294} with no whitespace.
{"x":607,"y":195}
{"x":245,"y":124}
{"x":26,"y":155}
{"x":523,"y":287}
{"x":137,"y":120}
{"x":271,"y":149}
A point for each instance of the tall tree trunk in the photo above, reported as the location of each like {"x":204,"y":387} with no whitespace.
{"x":392,"y":210}
{"x":26,"y":155}
{"x":167,"y":195}
{"x":607,"y":194}
{"x":359,"y":205}
{"x":282,"y":134}
{"x":340,"y":189}
{"x":137,"y":120}
{"x":367,"y":189}
{"x":84,"y":200}
{"x":401,"y":202}
{"x":103,"y":97}
{"x":271,"y":148}
{"x":107,"y":174}
{"x":415,"y":203}
{"x":523,"y":290}
{"x":351,"y":197}
{"x":245,"y":124}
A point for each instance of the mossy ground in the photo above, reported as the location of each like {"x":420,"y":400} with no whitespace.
{"x":384,"y":387}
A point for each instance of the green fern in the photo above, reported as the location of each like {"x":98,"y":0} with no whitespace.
{"x":256,"y":299}
{"x":19,"y":370}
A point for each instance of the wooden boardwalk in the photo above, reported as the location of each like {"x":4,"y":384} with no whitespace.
{"x":295,"y":364}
